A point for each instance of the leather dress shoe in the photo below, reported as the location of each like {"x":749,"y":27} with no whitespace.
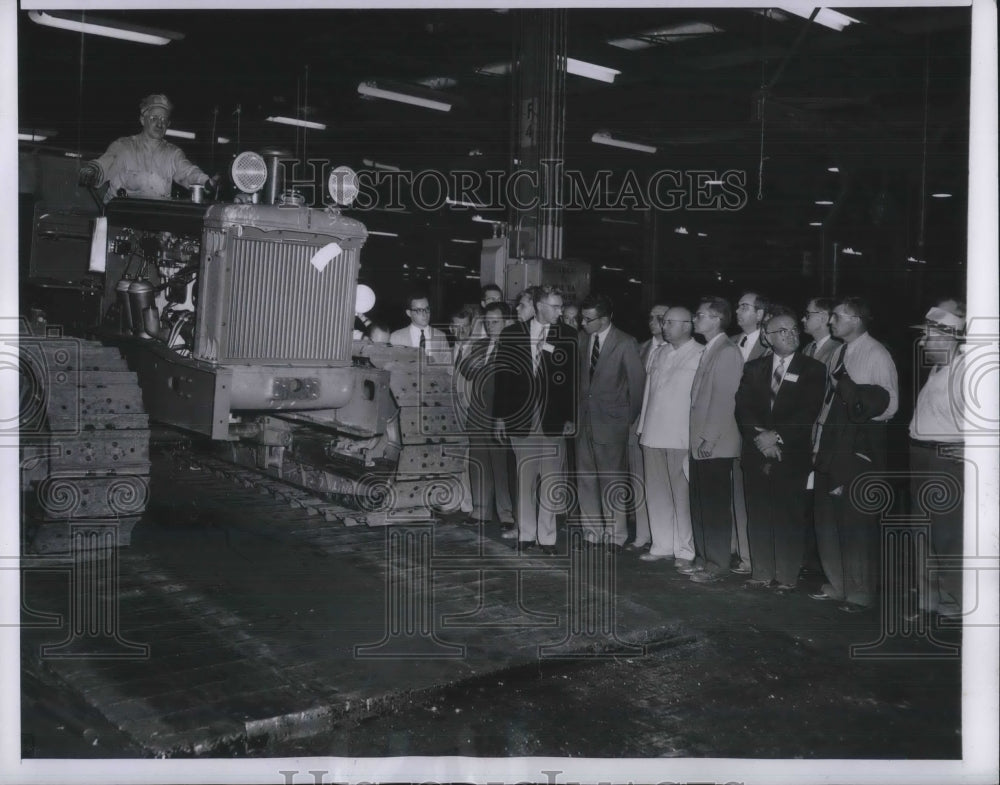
{"x":525,"y":545}
{"x":757,"y":583}
{"x":614,"y":550}
{"x":647,"y":556}
{"x":509,"y":534}
{"x":820,"y":595}
{"x":548,"y":550}
{"x":851,"y":607}
{"x":704,"y":576}
{"x":582,"y":544}
{"x":637,"y":546}
{"x":688,"y":568}
{"x":741,"y":569}
{"x":783,"y":587}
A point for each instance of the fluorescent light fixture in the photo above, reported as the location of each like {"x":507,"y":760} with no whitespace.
{"x":606,"y":220}
{"x":634,"y":280}
{"x":68,"y":154}
{"x":438,"y":82}
{"x":915,"y":261}
{"x":472,"y":277}
{"x":713,"y":182}
{"x":824,"y":202}
{"x":406,"y":266}
{"x":664,"y":35}
{"x":480,"y":220}
{"x":464,"y":242}
{"x":494,"y":69}
{"x":833,"y":169}
{"x":455,"y":266}
{"x":376,"y":165}
{"x":84,"y":23}
{"x":815,"y":223}
{"x":179,"y":134}
{"x":282,"y":120}
{"x":590,"y":70}
{"x":383,"y":234}
{"x":603,"y":137}
{"x":612,"y":269}
{"x":826,"y":16}
{"x":372,"y":90}
{"x":475,"y":152}
{"x":680,"y":230}
{"x":851,"y":252}
{"x":702,"y":234}
{"x":462,"y":203}
{"x":31,"y":137}
{"x":941,"y":195}
{"x":223,"y":140}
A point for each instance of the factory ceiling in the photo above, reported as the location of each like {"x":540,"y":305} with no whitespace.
{"x":764,"y":92}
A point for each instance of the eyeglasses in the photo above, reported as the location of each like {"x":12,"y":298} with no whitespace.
{"x":585,"y":320}
{"x":814,"y":313}
{"x":420,"y":310}
{"x":784,"y":332}
{"x":675,"y":321}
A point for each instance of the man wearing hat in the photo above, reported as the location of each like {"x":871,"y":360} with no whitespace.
{"x":936,"y":453}
{"x":144,"y":165}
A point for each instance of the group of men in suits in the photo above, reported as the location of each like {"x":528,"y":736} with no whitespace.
{"x":724,"y":446}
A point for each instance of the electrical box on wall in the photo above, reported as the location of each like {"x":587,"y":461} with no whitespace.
{"x":573,"y":277}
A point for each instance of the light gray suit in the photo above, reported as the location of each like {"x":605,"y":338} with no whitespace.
{"x":636,"y":466}
{"x":713,"y":420}
{"x":610,"y":402}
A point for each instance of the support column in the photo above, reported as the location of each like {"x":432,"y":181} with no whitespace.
{"x":538,"y":145}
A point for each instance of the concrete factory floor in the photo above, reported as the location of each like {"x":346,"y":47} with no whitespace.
{"x":250,"y":627}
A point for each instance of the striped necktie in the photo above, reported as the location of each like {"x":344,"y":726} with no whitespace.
{"x":595,"y":354}
{"x":810,"y":350}
{"x":838,"y":367}
{"x":776,"y":377}
{"x":423,"y":341}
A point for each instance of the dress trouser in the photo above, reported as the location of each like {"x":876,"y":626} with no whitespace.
{"x":711,"y":511}
{"x":929,"y":473}
{"x":540,"y":496}
{"x":637,"y":474}
{"x":600,"y":474}
{"x":739,"y":543}
{"x":776,"y":511}
{"x":848,"y":544}
{"x":489,"y":479}
{"x":668,"y":500}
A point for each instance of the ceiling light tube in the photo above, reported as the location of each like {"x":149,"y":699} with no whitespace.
{"x":603,"y":137}
{"x":223,"y":140}
{"x":480,"y":220}
{"x":296,"y":122}
{"x":383,"y":234}
{"x":463,"y":203}
{"x":590,"y":70}
{"x":179,"y":134}
{"x":826,"y":16}
{"x":941,"y":195}
{"x":372,"y":90}
{"x":31,"y":137}
{"x":824,"y":202}
{"x":104,"y":27}
{"x":376,"y":165}
{"x":815,"y":223}
{"x":464,"y":242}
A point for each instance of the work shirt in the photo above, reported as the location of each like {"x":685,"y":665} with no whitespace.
{"x":938,"y":414}
{"x":146,"y":168}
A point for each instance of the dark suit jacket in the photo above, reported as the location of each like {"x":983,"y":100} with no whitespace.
{"x":852,"y":442}
{"x":520,"y":392}
{"x":482,"y":383}
{"x":796,"y":407}
{"x":612,"y":399}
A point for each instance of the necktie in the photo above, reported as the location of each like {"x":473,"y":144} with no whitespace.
{"x":810,"y":350}
{"x":776,"y":377}
{"x":652,"y":356}
{"x":743,"y":341}
{"x":423,"y":341}
{"x":595,"y":354}
{"x":838,"y":366}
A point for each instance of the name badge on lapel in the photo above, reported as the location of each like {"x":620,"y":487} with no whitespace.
{"x":790,"y":377}
{"x":547,"y":347}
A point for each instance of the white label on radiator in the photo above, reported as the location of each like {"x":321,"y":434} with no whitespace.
{"x":325,"y":255}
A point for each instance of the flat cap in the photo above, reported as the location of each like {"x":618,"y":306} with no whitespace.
{"x":156,"y":99}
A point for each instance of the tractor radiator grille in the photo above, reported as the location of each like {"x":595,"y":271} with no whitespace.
{"x":281,"y":308}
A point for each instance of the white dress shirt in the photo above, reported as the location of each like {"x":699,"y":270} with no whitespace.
{"x":746,"y":343}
